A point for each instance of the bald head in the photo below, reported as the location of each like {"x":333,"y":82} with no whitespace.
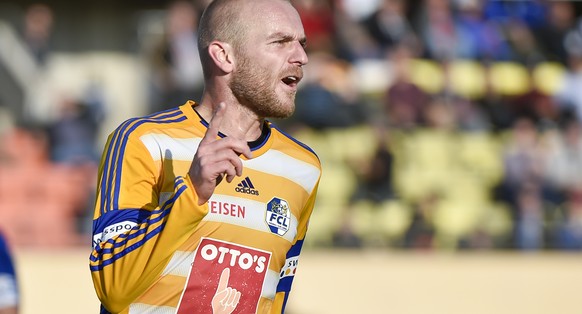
{"x":225,"y":21}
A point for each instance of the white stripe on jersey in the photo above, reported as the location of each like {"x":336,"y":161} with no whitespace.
{"x":141,"y":308}
{"x":159,"y":145}
{"x":180,"y":264}
{"x":255,"y":214}
{"x":280,"y":164}
{"x":270,"y":285}
{"x":272,"y":162}
{"x":8,"y":291}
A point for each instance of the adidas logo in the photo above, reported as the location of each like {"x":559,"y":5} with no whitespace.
{"x":247,"y":187}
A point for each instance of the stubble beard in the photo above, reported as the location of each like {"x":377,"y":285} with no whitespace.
{"x":253,"y":87}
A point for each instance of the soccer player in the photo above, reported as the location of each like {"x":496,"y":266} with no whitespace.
{"x":8,"y":286}
{"x":204,"y":208}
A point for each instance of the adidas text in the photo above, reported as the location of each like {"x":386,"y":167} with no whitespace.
{"x":247,"y":191}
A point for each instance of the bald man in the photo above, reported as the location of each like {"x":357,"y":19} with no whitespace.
{"x":204,"y":208}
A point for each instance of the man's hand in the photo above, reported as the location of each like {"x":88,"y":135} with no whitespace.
{"x":216,"y":157}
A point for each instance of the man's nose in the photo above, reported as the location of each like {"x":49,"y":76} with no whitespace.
{"x":299,"y":55}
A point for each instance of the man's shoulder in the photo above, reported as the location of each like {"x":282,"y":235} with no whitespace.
{"x":148,"y":123}
{"x":307,"y":153}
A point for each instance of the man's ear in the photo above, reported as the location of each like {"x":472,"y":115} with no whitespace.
{"x":222,"y":55}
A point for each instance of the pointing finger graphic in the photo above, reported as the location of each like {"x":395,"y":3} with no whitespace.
{"x":226,"y":298}
{"x":223,"y":282}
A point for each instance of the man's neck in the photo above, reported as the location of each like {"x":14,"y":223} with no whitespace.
{"x":239,"y":121}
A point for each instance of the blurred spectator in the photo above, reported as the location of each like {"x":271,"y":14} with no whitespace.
{"x":569,"y":96}
{"x":318,"y":22}
{"x":37,"y":32}
{"x":389,"y":25}
{"x":328,"y":98}
{"x":437,"y":29}
{"x":9,"y":299}
{"x":564,"y":160}
{"x":421,"y":232}
{"x":478,"y":38}
{"x":496,"y":108}
{"x":540,"y":107}
{"x":551,"y":35}
{"x":375,"y":175}
{"x":524,"y":159}
{"x":24,"y":53}
{"x":532,"y":12}
{"x":529,"y":233}
{"x":73,"y":136}
{"x":470,"y":117}
{"x":568,"y":235}
{"x":403,"y":102}
{"x":177,"y":72}
{"x":345,"y":237}
{"x":352,"y":41}
{"x":524,"y":46}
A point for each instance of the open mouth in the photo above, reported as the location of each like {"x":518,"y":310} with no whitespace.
{"x":291,"y":80}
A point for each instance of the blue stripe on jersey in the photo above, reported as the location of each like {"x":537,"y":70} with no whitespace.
{"x":113,"y":217}
{"x":295,"y":250}
{"x":6,"y":265}
{"x":294,"y":140}
{"x":112,"y":151}
{"x":285,"y":283}
{"x":128,"y":249}
{"x":259,"y":145}
{"x":124,"y":144}
{"x":110,"y":169}
{"x":103,"y":310}
{"x":122,"y":239}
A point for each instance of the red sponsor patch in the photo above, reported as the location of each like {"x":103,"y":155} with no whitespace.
{"x":224,"y":278}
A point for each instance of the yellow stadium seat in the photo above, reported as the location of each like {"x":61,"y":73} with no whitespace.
{"x":509,"y":78}
{"x":337,"y":184}
{"x":497,"y":220}
{"x":362,"y":216}
{"x":359,"y":143}
{"x":324,"y":221}
{"x":467,"y":78}
{"x":480,"y":154}
{"x":427,"y":75}
{"x":548,"y":77}
{"x":454,"y":219}
{"x":393,"y":219}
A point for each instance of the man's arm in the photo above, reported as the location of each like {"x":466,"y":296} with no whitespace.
{"x":134,"y":233}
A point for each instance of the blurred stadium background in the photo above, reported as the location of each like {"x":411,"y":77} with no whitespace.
{"x":449,"y":132}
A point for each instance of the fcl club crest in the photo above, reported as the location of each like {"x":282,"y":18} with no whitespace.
{"x":278,"y":216}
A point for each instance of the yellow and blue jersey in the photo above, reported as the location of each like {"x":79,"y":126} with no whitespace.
{"x":155,"y":250}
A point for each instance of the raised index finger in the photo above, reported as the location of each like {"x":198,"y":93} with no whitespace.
{"x":214,"y":124}
{"x":223,"y":281}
